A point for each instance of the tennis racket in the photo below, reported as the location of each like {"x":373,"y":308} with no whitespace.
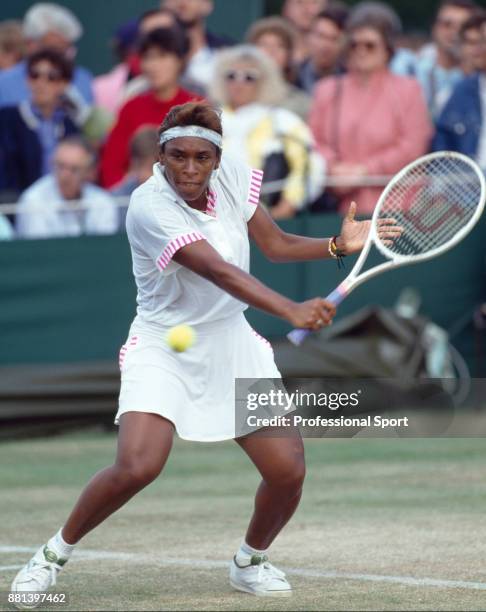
{"x":436,"y":200}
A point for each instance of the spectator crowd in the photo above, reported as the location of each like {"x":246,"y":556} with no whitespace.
{"x":325,"y":98}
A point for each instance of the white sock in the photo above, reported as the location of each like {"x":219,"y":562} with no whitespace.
{"x":57,"y":544}
{"x":246,"y":552}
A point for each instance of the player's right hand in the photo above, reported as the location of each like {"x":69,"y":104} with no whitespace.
{"x":312,"y":314}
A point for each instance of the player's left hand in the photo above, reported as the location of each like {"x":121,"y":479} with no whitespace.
{"x":354,"y":233}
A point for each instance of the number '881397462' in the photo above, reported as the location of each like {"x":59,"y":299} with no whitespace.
{"x":28,"y":599}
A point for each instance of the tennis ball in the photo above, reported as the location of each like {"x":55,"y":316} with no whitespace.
{"x":181,"y":337}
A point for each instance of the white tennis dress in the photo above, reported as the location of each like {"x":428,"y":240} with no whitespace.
{"x":195,"y":389}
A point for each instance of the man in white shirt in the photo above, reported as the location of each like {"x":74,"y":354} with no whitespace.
{"x":64,"y":203}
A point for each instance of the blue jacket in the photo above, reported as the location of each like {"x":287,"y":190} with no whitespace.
{"x":459,"y":124}
{"x":20,"y":149}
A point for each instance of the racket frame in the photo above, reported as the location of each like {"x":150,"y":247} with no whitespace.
{"x":355,"y":279}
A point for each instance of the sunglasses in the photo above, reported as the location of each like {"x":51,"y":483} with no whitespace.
{"x":367,"y":45}
{"x":243,"y":76}
{"x":52,"y":76}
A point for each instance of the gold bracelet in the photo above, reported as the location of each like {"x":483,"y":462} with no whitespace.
{"x":331,"y":247}
{"x":335,"y":253}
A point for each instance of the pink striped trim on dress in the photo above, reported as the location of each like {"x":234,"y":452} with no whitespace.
{"x":124,"y":349}
{"x":256,"y":179}
{"x":255,"y":333}
{"x":174,"y":245}
{"x":211,"y":205}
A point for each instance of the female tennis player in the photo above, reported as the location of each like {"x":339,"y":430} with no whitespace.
{"x":188,"y":228}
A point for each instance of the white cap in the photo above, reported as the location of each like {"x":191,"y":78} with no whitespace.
{"x":46,"y":17}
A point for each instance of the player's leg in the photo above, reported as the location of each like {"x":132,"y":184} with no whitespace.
{"x":144,"y":443}
{"x":280,"y":460}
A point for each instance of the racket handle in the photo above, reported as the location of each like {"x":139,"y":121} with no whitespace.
{"x":297,"y":336}
{"x":337,"y":296}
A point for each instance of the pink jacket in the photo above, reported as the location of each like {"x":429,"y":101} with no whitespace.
{"x":109,"y":88}
{"x":383,"y":124}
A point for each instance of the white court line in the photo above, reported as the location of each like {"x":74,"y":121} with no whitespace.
{"x":87,"y":555}
{"x":9,"y":567}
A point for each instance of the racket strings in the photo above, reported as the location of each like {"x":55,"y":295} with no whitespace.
{"x":431,"y":213}
{"x":431,"y":202}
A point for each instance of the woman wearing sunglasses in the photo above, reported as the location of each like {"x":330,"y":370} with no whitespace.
{"x":30,"y":132}
{"x":249,"y":87}
{"x":369,"y":121}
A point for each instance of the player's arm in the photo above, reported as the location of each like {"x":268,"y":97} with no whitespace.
{"x":279,"y":246}
{"x":201,"y":258}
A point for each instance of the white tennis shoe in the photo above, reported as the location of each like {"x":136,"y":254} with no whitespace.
{"x":38,"y":575}
{"x":259,"y":578}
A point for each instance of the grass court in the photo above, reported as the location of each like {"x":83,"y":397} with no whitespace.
{"x":389,"y":524}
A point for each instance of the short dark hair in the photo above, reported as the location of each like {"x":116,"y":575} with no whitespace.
{"x":469,"y":5}
{"x":76,"y":140}
{"x":169,"y":40}
{"x":337,"y":13}
{"x":193,"y":113}
{"x":58,"y":60}
{"x":475,"y":22}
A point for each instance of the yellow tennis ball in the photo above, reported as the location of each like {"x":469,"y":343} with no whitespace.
{"x":181,"y":337}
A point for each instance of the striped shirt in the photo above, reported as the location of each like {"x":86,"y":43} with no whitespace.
{"x":159,"y":223}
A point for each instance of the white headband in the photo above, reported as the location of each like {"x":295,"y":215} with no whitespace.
{"x":195,"y":131}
